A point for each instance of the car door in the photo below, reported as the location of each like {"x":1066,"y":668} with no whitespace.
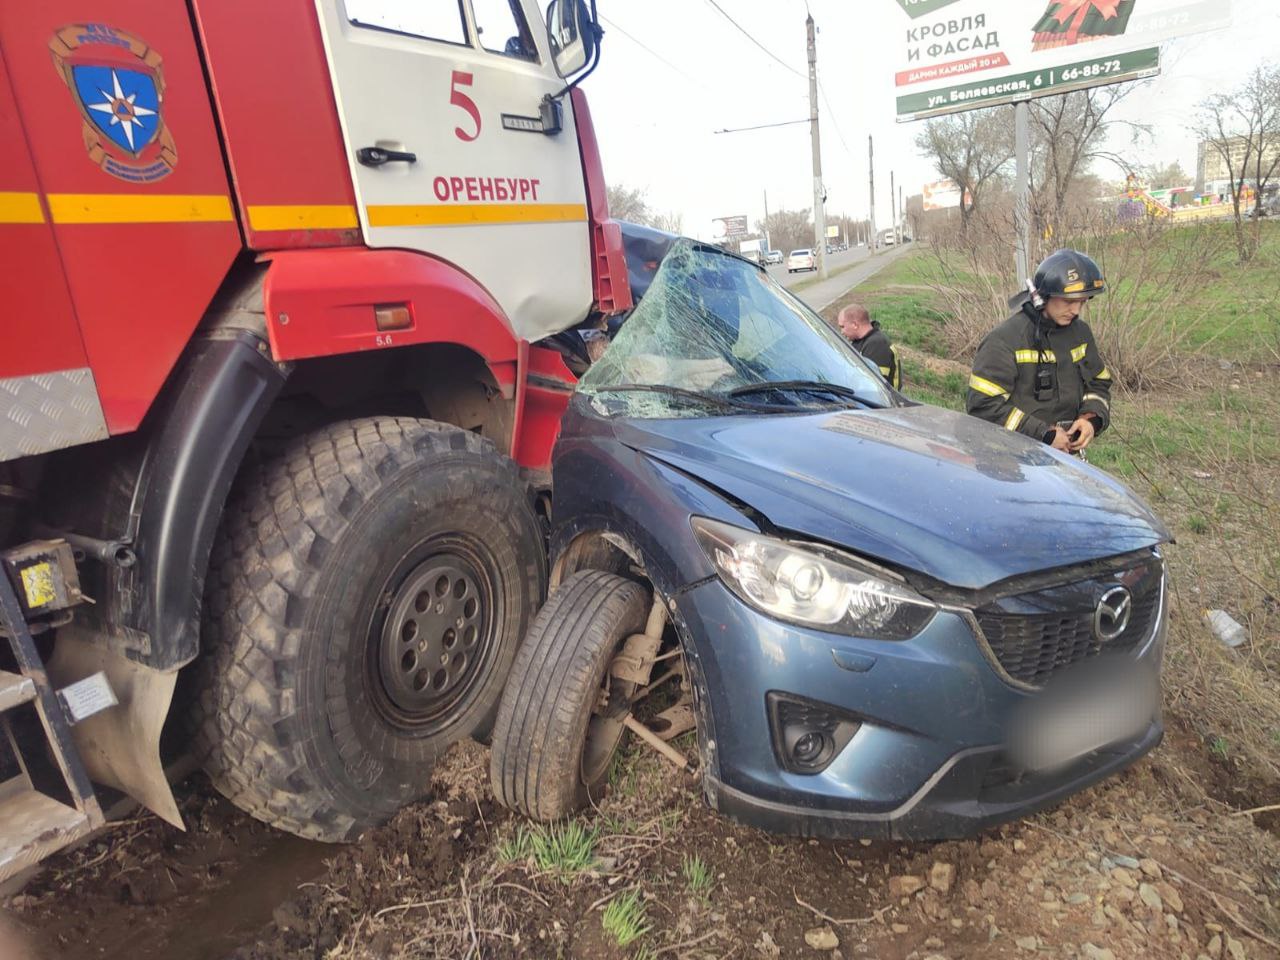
{"x":457,"y":85}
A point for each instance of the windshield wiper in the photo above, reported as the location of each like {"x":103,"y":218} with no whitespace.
{"x":806,"y":386}
{"x":722,"y":400}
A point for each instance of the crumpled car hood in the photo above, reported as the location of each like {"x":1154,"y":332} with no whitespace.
{"x":922,"y":488}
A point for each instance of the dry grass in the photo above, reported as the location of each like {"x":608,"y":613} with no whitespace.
{"x":1156,"y":274}
{"x":1209,"y":460}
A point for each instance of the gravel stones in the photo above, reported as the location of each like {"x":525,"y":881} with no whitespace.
{"x":822,"y":938}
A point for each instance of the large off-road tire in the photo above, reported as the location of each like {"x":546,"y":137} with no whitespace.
{"x":369,"y":587}
{"x":553,"y":738}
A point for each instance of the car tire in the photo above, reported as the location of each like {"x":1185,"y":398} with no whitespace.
{"x":551,"y":743}
{"x":370,"y":585}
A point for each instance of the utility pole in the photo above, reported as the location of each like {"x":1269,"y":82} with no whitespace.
{"x":767,"y":243}
{"x":902,"y":216}
{"x":819,"y":216}
{"x":1021,"y":190}
{"x":871,"y":168}
{"x":893,"y":208}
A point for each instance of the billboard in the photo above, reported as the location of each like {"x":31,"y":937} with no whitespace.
{"x":941,"y":195}
{"x":954,"y":55}
{"x":735,"y":226}
{"x":833,"y":231}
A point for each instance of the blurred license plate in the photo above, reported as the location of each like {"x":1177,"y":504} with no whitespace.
{"x":1082,"y":711}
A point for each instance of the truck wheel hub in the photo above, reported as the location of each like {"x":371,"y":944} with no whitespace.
{"x":434,"y":638}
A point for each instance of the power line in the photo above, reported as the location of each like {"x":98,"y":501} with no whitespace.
{"x":649,"y":50}
{"x":743,"y":31}
{"x":832,"y":114}
{"x":763,"y":126}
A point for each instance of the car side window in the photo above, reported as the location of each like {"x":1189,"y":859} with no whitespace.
{"x":430,"y":19}
{"x":503,"y":28}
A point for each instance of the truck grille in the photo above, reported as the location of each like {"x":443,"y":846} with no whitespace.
{"x":1034,"y":635}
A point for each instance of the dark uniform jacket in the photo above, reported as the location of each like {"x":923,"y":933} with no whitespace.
{"x":875,"y":346}
{"x":1002,"y":387}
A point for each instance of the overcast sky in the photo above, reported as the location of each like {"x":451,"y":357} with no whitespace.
{"x":656,"y":109}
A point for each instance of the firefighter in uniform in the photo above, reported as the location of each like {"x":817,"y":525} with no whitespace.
{"x":1039,"y":372}
{"x":870,"y":341}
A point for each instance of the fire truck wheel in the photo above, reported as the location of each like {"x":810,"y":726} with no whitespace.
{"x":369,"y":588}
{"x":561,"y":717}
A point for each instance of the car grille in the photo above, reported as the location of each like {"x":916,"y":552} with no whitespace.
{"x":1034,"y":635}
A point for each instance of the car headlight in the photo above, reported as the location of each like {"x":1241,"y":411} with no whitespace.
{"x":809,"y":588}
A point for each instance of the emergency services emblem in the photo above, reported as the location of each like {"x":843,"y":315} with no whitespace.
{"x":117,"y":81}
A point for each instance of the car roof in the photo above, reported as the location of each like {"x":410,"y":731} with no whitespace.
{"x":803,"y":250}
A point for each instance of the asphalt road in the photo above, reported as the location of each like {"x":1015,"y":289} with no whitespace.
{"x":845,"y":271}
{"x":834,"y":262}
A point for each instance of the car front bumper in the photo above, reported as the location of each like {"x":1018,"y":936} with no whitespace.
{"x":929,"y":757}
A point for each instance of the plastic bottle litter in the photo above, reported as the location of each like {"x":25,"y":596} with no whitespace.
{"x":1225,"y":628}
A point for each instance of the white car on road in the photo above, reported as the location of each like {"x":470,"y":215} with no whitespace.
{"x":801,"y":260}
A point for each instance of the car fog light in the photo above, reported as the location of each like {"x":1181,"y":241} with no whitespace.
{"x":808,"y":748}
{"x":808,"y":735}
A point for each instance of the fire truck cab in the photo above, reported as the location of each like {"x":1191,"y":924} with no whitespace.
{"x":278,"y":388}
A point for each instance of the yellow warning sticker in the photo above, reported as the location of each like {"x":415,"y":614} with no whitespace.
{"x":37,"y":581}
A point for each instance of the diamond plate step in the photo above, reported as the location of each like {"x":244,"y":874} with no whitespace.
{"x":15,"y":689}
{"x":32,"y":826}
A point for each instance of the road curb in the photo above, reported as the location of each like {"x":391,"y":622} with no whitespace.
{"x":876,"y":265}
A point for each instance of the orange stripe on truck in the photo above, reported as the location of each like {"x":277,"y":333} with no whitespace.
{"x":138,"y":208}
{"x":20,"y":208}
{"x":337,"y":216}
{"x":466,"y":214}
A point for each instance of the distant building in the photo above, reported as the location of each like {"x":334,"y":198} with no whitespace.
{"x":1212,"y":168}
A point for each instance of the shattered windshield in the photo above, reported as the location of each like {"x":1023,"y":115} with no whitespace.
{"x":716,"y":335}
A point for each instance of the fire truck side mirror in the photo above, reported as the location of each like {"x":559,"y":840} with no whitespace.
{"x":573,"y":35}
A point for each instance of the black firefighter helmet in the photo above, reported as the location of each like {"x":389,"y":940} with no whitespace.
{"x":1070,"y":274}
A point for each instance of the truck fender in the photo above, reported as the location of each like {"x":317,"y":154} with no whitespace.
{"x":147,"y":622}
{"x":192,"y":444}
{"x":326,"y":302}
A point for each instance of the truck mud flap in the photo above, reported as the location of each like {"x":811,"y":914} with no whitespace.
{"x":120,"y":747}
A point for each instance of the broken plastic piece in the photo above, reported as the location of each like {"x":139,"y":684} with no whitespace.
{"x":1226,"y":628}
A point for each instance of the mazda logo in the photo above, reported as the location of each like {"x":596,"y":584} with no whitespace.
{"x":1112,"y":615}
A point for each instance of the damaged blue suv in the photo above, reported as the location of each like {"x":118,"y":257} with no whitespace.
{"x":881,"y":618}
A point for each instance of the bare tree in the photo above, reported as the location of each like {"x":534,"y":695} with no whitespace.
{"x":629,"y":203}
{"x":1161,"y":176}
{"x":1263,"y":88}
{"x":632,"y":204}
{"x":971,"y":148}
{"x":788,"y":229}
{"x":1242,"y":128}
{"x":672,"y":221}
{"x":1067,"y":132}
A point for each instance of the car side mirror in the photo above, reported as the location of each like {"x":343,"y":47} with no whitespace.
{"x":573,"y":35}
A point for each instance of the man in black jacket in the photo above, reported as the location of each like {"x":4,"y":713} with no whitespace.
{"x":1039,"y":372}
{"x":869,"y":340}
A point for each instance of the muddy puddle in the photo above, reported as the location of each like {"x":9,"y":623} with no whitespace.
{"x":145,"y":891}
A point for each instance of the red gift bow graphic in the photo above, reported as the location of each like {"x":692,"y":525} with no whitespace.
{"x":1069,"y":8}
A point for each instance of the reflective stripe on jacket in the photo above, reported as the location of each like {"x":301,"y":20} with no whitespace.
{"x":1002,"y":386}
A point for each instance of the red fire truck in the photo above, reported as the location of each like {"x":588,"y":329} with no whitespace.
{"x":276,"y":404}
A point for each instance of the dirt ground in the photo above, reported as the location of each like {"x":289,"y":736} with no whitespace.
{"x":1151,"y":864}
{"x":1172,"y":859}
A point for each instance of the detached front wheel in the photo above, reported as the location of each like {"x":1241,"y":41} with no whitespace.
{"x":561,"y":717}
{"x":369,"y":588}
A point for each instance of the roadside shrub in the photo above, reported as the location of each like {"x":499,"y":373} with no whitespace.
{"x":1146,"y":323}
